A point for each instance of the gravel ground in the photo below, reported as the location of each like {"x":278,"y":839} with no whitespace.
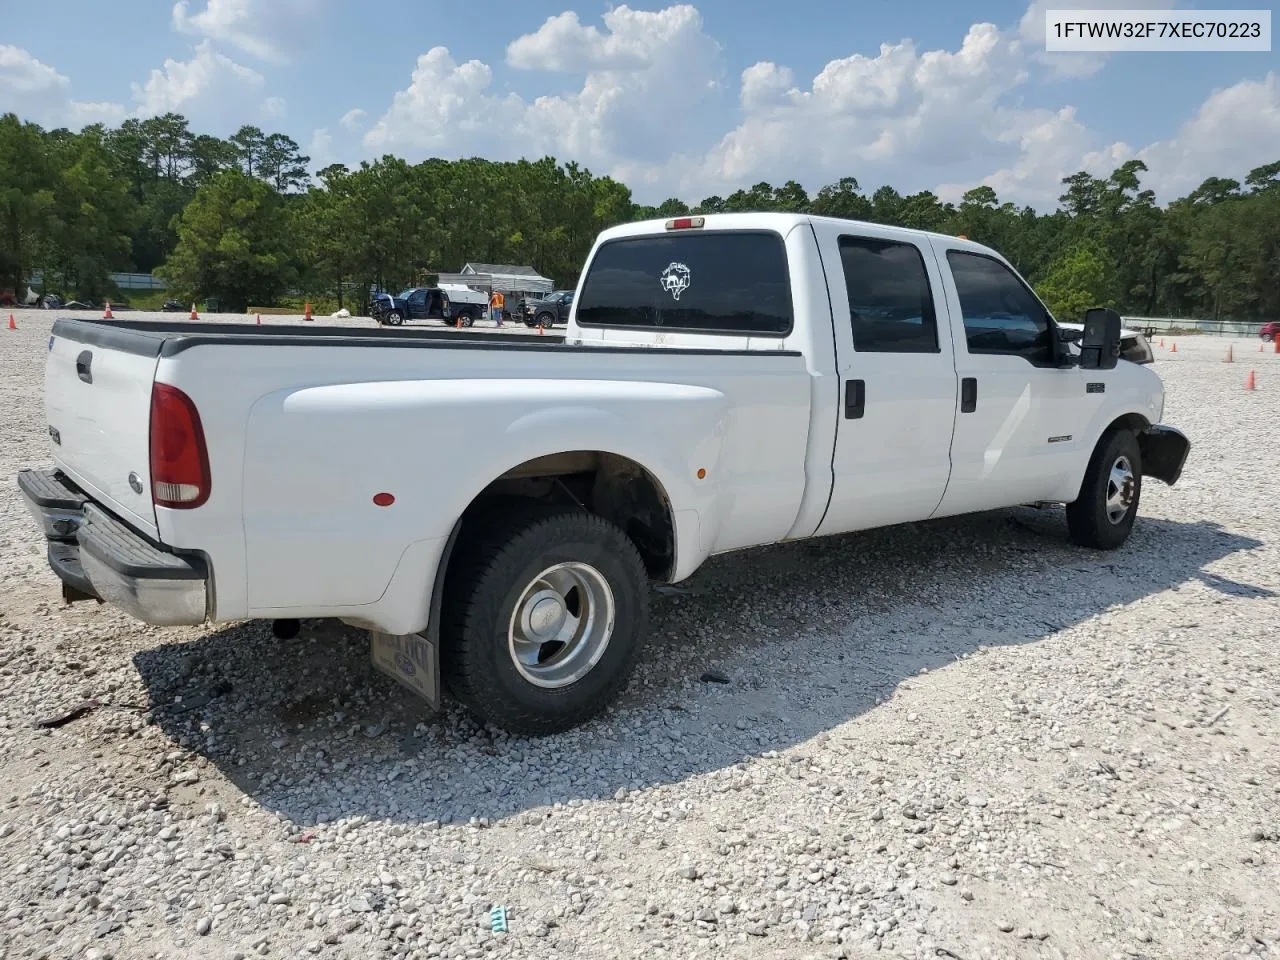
{"x":959,"y":739}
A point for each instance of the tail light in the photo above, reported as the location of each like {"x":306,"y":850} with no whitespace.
{"x":179,"y":458}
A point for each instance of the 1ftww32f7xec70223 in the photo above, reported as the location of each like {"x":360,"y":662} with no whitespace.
{"x":493,"y":508}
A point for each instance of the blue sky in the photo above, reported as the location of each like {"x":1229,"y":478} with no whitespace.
{"x":675,"y":99}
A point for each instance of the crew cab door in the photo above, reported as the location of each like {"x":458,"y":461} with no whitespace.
{"x":417,"y":302}
{"x":897,"y":379}
{"x":1021,"y":413}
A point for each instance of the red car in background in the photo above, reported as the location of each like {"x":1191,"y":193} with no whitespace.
{"x":1270,"y":331}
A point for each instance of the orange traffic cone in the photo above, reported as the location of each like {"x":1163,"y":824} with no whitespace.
{"x":259,"y":319}
{"x":194,"y":315}
{"x":1276,"y":348}
{"x":539,"y":328}
{"x":307,"y":314}
{"x":1162,"y":343}
{"x":12,"y":324}
{"x":1174,"y":348}
{"x":1259,"y":348}
{"x":106,"y":314}
{"x":1250,"y":382}
{"x":1229,"y":346}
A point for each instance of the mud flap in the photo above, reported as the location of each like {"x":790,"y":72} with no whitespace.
{"x":1164,"y":452}
{"x":412,"y":660}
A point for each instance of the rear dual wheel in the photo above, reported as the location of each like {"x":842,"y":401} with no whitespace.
{"x":543,"y":620}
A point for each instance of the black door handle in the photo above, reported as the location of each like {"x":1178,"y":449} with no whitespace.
{"x":83,"y":362}
{"x":855,"y":399}
{"x":968,"y":394}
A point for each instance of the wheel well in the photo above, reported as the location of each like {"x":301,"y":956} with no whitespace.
{"x":608,"y":485}
{"x":1130,"y":421}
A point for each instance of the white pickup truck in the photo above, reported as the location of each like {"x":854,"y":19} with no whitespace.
{"x":492,"y":508}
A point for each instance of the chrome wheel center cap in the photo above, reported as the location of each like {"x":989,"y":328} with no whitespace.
{"x":546,"y":615}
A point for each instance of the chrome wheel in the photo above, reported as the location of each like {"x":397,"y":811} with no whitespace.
{"x":1120,"y":488}
{"x":561,"y":624}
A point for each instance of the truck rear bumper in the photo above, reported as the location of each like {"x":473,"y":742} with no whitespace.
{"x":97,"y":556}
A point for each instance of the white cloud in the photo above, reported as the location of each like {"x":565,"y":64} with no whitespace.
{"x":36,"y":91}
{"x":635,"y":40}
{"x":649,"y":82}
{"x":353,"y":119}
{"x":899,"y":112}
{"x":446,"y":103}
{"x":266,"y":29}
{"x":211,"y":90}
{"x":1049,"y":144}
{"x":1236,"y":129}
{"x":648,"y":106}
{"x":765,"y":84}
{"x":946,"y":119}
{"x":1068,"y":65}
{"x":321,"y":148}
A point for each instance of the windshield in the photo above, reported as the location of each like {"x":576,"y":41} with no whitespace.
{"x":404,"y":294}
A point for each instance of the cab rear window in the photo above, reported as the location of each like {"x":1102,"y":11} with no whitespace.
{"x":730,"y":282}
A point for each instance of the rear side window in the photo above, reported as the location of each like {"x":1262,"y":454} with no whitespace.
{"x":1001,"y":316}
{"x":732,"y":282}
{"x":890,"y":301}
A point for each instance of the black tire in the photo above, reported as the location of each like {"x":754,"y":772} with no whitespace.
{"x":503,"y":554}
{"x":1088,"y":520}
{"x":546,"y":319}
{"x":394,"y":318}
{"x":1268,"y":337}
{"x":467,"y":317}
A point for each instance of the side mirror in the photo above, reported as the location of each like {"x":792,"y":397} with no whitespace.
{"x":1100,"y":343}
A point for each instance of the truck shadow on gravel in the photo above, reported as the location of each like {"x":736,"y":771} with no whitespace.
{"x":808,"y":635}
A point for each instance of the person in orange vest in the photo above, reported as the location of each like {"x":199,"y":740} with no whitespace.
{"x":496,"y":303}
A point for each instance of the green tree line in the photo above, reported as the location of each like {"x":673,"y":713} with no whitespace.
{"x":241,"y":220}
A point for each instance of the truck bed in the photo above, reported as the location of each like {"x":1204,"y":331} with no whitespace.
{"x":158,"y":338}
{"x":155,"y":338}
{"x":299,"y":442}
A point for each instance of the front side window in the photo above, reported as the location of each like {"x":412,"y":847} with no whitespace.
{"x":890,"y":301}
{"x":730,"y":282}
{"x":1001,"y":316}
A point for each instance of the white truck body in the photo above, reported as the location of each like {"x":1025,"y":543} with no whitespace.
{"x":697,"y":441}
{"x":458,"y":293}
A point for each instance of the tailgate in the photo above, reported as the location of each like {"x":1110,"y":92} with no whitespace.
{"x":98,"y":407}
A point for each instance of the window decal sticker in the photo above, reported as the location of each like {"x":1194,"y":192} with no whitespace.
{"x":676,"y":279}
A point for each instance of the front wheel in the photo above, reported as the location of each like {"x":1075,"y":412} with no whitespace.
{"x":1268,"y":337}
{"x":394,"y":318}
{"x":1102,"y":515}
{"x":544,"y":617}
